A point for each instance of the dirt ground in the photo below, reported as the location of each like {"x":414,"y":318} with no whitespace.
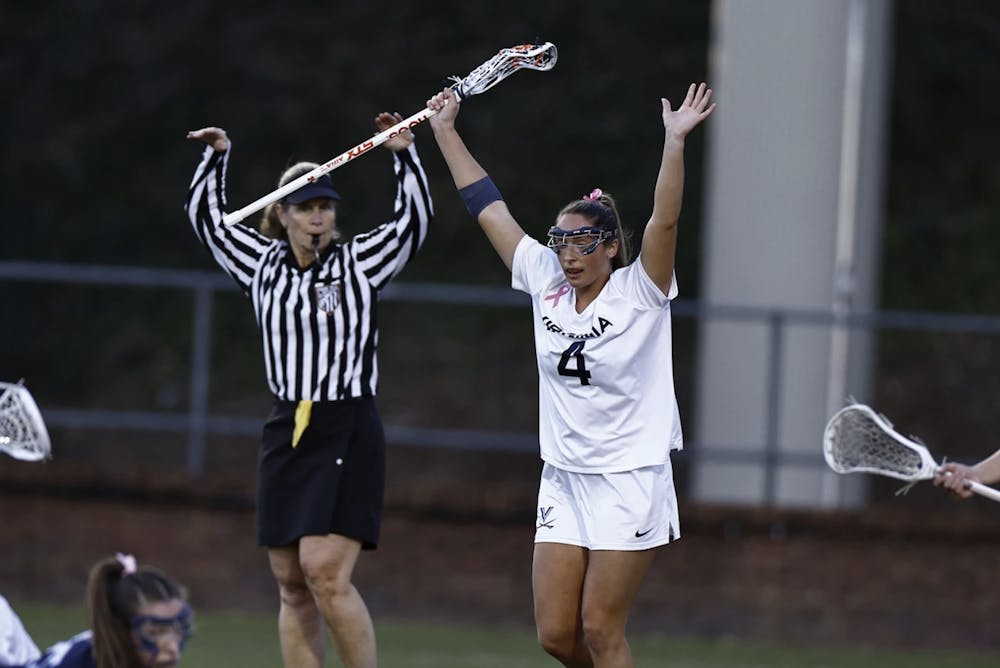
{"x":456,"y":546}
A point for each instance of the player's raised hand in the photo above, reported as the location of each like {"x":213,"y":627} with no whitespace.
{"x":214,"y":137}
{"x":693,"y":110}
{"x":446,"y":105}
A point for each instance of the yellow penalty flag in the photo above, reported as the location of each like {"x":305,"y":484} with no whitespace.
{"x":302,"y":414}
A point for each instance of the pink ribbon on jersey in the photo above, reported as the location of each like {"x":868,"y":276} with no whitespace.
{"x":555,"y":296}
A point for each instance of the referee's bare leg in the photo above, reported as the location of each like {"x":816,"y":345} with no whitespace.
{"x":300,"y":626}
{"x":315,"y":583}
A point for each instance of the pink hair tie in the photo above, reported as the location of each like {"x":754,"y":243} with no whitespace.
{"x":127,"y":561}
{"x":594,"y":195}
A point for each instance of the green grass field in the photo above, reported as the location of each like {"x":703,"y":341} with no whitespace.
{"x":225,"y":639}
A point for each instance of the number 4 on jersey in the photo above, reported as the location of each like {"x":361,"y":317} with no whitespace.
{"x":575,"y":351}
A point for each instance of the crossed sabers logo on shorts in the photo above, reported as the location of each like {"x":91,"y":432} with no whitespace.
{"x":543,"y":518}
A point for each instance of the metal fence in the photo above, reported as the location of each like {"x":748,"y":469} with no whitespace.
{"x":197,"y":423}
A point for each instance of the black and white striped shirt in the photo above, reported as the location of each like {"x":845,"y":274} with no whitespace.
{"x":318,"y":323}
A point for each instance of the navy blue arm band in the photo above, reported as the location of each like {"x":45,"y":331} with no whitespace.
{"x":479,"y":195}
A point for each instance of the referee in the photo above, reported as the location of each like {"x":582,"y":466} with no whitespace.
{"x":321,"y":469}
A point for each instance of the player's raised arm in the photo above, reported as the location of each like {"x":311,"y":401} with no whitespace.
{"x":477,"y":190}
{"x":659,"y":240}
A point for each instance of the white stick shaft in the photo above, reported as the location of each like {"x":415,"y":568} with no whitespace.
{"x":350,"y":154}
{"x":984,"y":490}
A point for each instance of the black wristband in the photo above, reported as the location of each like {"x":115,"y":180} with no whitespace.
{"x":479,"y":195}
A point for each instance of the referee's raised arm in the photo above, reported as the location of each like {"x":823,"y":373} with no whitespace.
{"x":384,"y":251}
{"x":237,"y":249}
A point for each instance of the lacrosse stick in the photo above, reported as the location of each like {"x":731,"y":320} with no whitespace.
{"x":22,"y":431}
{"x":541,"y":57}
{"x":859,"y":440}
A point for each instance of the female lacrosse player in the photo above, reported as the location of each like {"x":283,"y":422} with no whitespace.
{"x":608,"y":415}
{"x":321,"y":470}
{"x":955,"y":477}
{"x":139,"y":618}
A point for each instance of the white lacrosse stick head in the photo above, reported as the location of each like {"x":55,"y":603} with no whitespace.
{"x":541,"y":57}
{"x":859,"y":440}
{"x":22,"y":431}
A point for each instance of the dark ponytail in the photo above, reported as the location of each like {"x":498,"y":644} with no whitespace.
{"x":116,"y":589}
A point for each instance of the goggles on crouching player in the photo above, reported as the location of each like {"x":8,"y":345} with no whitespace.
{"x":151,"y":630}
{"x":581,"y":241}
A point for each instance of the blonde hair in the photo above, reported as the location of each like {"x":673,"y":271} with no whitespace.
{"x":270,"y":222}
{"x":602,"y":212}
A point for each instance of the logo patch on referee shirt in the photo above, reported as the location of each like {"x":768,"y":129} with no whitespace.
{"x":327,"y":296}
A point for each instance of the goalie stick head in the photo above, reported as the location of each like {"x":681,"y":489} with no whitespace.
{"x":22,"y":431}
{"x":540,"y":57}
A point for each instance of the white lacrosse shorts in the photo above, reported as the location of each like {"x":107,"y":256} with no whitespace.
{"x":631,"y":510}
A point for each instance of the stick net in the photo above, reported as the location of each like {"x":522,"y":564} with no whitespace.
{"x":22,"y":431}
{"x":540,"y":57}
{"x":857,"y":439}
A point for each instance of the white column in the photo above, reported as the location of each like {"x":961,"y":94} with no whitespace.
{"x":792,"y":219}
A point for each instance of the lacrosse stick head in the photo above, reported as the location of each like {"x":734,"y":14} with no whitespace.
{"x":859,"y":440}
{"x":22,"y":431}
{"x":541,"y":57}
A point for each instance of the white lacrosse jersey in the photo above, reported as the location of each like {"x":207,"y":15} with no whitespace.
{"x":16,"y":646}
{"x":605,"y":376}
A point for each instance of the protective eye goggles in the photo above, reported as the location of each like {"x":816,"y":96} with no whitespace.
{"x":583,"y":240}
{"x":151,"y":629}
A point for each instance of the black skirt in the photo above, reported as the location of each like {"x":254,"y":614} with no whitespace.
{"x":332,"y":481}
